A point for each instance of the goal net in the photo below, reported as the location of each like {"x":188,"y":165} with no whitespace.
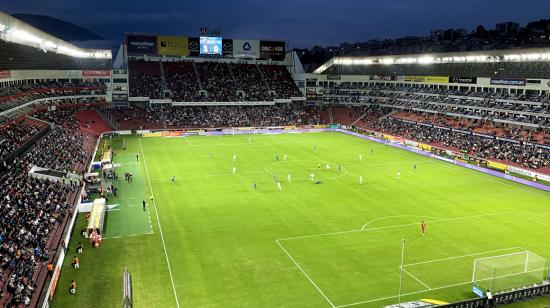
{"x":510,"y":271}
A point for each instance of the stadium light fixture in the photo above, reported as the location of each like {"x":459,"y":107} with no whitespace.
{"x":25,"y":36}
{"x":426,"y":60}
{"x":3,"y":28}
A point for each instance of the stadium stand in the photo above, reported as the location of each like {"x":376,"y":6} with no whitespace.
{"x":219,"y":81}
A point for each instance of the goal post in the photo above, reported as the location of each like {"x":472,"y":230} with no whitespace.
{"x":509,"y":271}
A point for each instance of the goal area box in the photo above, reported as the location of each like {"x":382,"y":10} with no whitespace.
{"x":508,"y":272}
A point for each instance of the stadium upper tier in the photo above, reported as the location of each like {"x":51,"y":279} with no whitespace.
{"x":531,"y":110}
{"x":210,"y":81}
{"x":520,"y":63}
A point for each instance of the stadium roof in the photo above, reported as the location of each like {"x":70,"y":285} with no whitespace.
{"x":14,"y":30}
{"x":489,"y":56}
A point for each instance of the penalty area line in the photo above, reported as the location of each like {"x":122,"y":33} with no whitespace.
{"x":305,"y":274}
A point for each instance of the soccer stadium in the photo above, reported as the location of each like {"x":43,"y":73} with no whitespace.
{"x":207,"y":171}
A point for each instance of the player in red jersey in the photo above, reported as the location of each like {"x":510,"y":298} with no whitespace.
{"x":423,"y":227}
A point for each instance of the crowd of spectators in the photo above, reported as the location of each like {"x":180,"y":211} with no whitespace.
{"x":16,"y":133}
{"x":214,"y":116}
{"x":19,"y":94}
{"x":185,"y":81}
{"x":520,"y":108}
{"x":483,"y":146}
{"x":280,"y":80}
{"x":32,"y":208}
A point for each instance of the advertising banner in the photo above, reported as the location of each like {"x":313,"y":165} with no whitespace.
{"x":120,"y":97}
{"x":383,"y":77}
{"x":432,"y":79}
{"x":274,"y":50}
{"x":466,"y":80}
{"x":508,"y":82}
{"x":246,"y":48}
{"x":497,"y":166}
{"x":227,"y":47}
{"x":95,"y":73}
{"x":141,"y":44}
{"x":172,"y":45}
{"x":528,"y":173}
{"x":5,"y":74}
{"x":194,"y":46}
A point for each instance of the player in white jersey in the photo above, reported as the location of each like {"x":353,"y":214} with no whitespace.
{"x":279,"y":186}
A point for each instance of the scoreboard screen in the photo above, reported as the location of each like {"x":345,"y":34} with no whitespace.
{"x":211,"y":45}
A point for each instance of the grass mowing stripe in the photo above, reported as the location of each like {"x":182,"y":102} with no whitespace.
{"x":160,"y":227}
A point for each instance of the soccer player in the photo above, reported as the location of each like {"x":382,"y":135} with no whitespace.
{"x":414,"y":167}
{"x":319,"y":166}
{"x":254,"y":185}
{"x":234,"y":157}
{"x":277,"y":157}
{"x":327,"y":166}
{"x":372,"y":152}
{"x":360,"y":157}
{"x":314,"y":148}
{"x":279,"y":186}
{"x":72,"y":288}
{"x":173,"y":179}
{"x":274,"y":177}
{"x":312,"y":176}
{"x":234,"y":169}
{"x":398,"y":174}
{"x":144,"y":205}
{"x":339,"y":167}
{"x":360,"y":180}
{"x":423,"y":227}
{"x":137,"y":158}
{"x":284,"y":157}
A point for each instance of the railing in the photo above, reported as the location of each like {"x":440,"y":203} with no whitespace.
{"x":504,"y":298}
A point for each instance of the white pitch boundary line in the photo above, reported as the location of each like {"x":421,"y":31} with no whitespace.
{"x":463,"y":256}
{"x":433,"y":289}
{"x":160,"y":227}
{"x":414,"y":277}
{"x":389,"y":227}
{"x":305,"y":274}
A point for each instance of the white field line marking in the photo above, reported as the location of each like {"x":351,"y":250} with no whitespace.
{"x":120,"y":236}
{"x":160,"y":227}
{"x":187,"y":140}
{"x":390,"y":227}
{"x":532,"y":220}
{"x":305,"y":274}
{"x":414,"y":277}
{"x":395,"y":216}
{"x":433,"y":289}
{"x":132,"y":204}
{"x":463,"y":256}
{"x":464,"y":170}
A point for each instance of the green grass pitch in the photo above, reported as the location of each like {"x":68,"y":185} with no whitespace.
{"x":211,"y":240}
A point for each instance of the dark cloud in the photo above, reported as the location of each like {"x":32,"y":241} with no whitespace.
{"x":302,"y":22}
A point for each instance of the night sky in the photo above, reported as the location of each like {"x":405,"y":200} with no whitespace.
{"x":303,"y":23}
